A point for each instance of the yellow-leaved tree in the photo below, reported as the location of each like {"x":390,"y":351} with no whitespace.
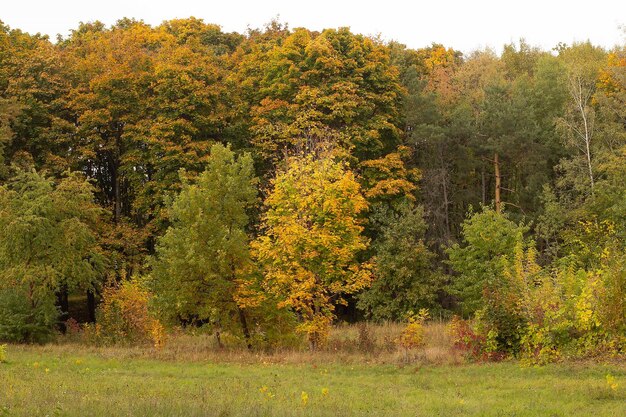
{"x":311,"y":241}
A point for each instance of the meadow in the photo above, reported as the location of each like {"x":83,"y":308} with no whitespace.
{"x":355,"y":375}
{"x":197,"y":210}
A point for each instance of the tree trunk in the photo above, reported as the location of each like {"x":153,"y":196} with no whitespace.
{"x":446,"y":208}
{"x":496,"y":168}
{"x":314,"y":337}
{"x":581,"y":95}
{"x":218,"y":338}
{"x":117,"y":182}
{"x":244,"y":327}
{"x":444,"y":185}
{"x":484,"y":185}
{"x":588,"y":149}
{"x":63,"y":303}
{"x":117,"y":207}
{"x":91,"y":306}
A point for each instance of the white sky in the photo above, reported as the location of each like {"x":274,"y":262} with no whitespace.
{"x":462,"y":24}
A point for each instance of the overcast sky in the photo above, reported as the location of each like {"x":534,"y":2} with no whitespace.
{"x":462,"y":24}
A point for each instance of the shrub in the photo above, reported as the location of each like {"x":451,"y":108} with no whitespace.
{"x":272,"y":328}
{"x":576,"y":312}
{"x":24,"y":321}
{"x":466,"y":339}
{"x":543,"y":315}
{"x":3,"y":353}
{"x":538,"y":347}
{"x":124,"y":316}
{"x":488,"y":239}
{"x":73,"y":330}
{"x":412,"y":336}
{"x":365,"y":341}
{"x":405,"y":277}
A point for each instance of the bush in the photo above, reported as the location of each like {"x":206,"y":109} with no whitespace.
{"x":272,"y":328}
{"x":542,"y":315}
{"x":466,"y":339}
{"x":3,"y":353}
{"x":124,"y":316}
{"x":24,"y":321}
{"x":412,"y":336}
{"x":405,"y":277}
{"x":489,"y":239}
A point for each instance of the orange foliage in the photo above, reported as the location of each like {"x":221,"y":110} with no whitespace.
{"x":124,"y":316}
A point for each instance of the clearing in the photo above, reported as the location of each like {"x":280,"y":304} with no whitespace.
{"x":61,"y":380}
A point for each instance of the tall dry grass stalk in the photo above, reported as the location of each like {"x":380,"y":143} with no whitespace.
{"x":363,"y":343}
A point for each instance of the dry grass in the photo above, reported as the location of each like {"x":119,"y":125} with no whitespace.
{"x":364,"y":343}
{"x":360,"y":372}
{"x":73,"y":380}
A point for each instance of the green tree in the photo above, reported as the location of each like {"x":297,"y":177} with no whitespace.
{"x":48,"y":243}
{"x":583,"y":62}
{"x":438,"y":128}
{"x":610,"y":201}
{"x":404,"y":279}
{"x":202,"y":268}
{"x":488,"y":238}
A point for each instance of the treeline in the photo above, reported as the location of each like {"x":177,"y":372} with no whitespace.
{"x":269,"y":181}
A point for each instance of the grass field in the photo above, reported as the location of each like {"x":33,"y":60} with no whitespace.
{"x":78,"y":381}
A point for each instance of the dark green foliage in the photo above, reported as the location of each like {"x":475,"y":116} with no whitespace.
{"x":24,"y":318}
{"x":404,"y":277}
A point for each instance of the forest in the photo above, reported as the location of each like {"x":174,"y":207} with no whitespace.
{"x":264,"y":187}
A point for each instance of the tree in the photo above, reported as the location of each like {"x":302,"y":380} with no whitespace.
{"x":604,"y":214}
{"x":505,"y":128}
{"x":437,"y":127}
{"x":388,"y":181}
{"x":404,"y":279}
{"x":48,"y":244}
{"x":311,"y":240}
{"x":33,"y":91}
{"x":202,"y":267}
{"x":8,"y":110}
{"x":611,"y":100}
{"x":578,"y":123}
{"x":330,"y":84}
{"x":146,"y":103}
{"x":489,"y":238}
{"x":520,"y":60}
{"x":186,"y":112}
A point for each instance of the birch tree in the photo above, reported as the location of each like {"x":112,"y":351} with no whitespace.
{"x":583,"y":62}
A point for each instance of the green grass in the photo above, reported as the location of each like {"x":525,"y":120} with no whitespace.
{"x":55,"y":381}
